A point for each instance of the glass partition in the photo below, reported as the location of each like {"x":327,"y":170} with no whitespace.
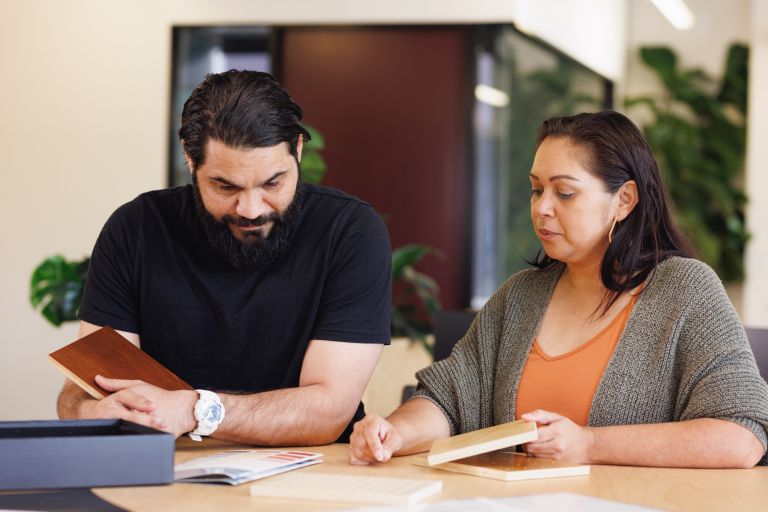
{"x":198,"y":51}
{"x":519,"y":82}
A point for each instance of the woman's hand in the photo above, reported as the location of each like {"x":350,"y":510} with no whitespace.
{"x":373,"y":439}
{"x":559,"y":438}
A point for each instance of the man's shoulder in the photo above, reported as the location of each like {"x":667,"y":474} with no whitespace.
{"x":169,"y":199}
{"x":322,"y":195}
{"x":165,"y":196}
{"x":334,"y":219}
{"x":326,"y":206}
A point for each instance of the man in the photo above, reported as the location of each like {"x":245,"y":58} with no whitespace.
{"x":269,"y":295}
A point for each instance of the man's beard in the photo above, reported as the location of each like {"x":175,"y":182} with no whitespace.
{"x":255,"y":250}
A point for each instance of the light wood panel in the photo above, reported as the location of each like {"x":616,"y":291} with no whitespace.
{"x":482,"y":441}
{"x":345,"y":487}
{"x":508,"y":466}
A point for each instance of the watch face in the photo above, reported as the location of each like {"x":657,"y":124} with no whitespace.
{"x":212,"y":414}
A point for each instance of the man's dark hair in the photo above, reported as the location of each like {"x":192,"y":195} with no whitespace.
{"x":242,"y":109}
{"x":615,"y":151}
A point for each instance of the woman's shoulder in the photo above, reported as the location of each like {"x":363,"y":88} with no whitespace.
{"x":677,"y":270}
{"x":686,"y":281}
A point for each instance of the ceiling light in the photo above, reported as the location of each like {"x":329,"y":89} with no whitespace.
{"x":491,"y":95}
{"x":678,"y":14}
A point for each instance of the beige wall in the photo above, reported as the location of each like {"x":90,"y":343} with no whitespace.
{"x":84,"y":90}
{"x":83,"y":93}
{"x":756,"y":286}
{"x":718,"y":24}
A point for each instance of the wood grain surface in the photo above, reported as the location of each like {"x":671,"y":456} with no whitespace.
{"x":508,"y":465}
{"x":482,"y":441}
{"x":105,"y":352}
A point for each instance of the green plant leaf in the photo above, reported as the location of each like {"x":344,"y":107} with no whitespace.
{"x":316,"y":141}
{"x":734,"y":86}
{"x":56,"y":288}
{"x":312,"y":167}
{"x":417,"y":297}
{"x":312,"y":162}
{"x":647,"y":101}
{"x":407,"y":255}
{"x":699,"y":141}
{"x":662,"y":60}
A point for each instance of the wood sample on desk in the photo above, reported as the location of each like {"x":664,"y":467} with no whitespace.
{"x":105,"y":352}
{"x":482,"y":441}
{"x":508,"y":465}
{"x":348,"y":488}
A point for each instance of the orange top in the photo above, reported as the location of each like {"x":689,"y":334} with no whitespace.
{"x":566,"y":384}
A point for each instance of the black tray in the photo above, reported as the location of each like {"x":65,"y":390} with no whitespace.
{"x":83,"y":453}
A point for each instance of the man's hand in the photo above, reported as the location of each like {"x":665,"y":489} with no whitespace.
{"x":142,"y":403}
{"x":373,"y":439}
{"x":559,"y":438}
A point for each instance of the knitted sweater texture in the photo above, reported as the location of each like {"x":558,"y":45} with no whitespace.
{"x":683,"y":355}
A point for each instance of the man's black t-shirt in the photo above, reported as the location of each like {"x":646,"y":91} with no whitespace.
{"x":153,"y":272}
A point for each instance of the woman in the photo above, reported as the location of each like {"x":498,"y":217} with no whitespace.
{"x":620,"y":346}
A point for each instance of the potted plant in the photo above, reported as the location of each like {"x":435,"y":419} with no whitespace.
{"x":56,"y":288}
{"x":698,"y":134}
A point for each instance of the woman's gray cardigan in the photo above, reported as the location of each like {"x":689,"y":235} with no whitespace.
{"x":682,"y":355}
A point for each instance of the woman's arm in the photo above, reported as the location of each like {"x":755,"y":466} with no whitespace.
{"x":410,"y":429}
{"x":698,"y":443}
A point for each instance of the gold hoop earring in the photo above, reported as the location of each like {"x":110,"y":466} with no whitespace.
{"x":610,"y":233}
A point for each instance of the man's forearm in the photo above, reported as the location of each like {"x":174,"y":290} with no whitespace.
{"x":302,"y":416}
{"x":701,"y":443}
{"x":70,"y":399}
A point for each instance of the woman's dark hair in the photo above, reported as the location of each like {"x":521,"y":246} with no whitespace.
{"x":242,"y":109}
{"x":616,"y":152}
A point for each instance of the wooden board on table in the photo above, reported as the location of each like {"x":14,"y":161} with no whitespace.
{"x":348,"y":488}
{"x":508,"y":465}
{"x":482,"y":441}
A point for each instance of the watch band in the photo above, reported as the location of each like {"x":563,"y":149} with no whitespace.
{"x":209,"y":413}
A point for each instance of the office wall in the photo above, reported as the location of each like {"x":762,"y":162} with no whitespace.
{"x":755,"y":310}
{"x":717,"y":25}
{"x":84,"y":107}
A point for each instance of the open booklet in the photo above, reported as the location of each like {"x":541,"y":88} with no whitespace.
{"x":239,"y":466}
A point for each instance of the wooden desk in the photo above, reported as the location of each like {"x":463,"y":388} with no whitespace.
{"x":675,"y":489}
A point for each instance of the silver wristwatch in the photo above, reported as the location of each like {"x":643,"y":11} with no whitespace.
{"x":209,"y":413}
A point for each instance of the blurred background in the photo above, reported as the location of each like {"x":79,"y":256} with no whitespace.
{"x":427,"y":110}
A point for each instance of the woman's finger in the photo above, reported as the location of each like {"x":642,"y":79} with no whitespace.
{"x":541,"y":417}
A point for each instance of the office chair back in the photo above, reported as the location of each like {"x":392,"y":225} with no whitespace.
{"x":758,"y":340}
{"x":450,"y":327}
